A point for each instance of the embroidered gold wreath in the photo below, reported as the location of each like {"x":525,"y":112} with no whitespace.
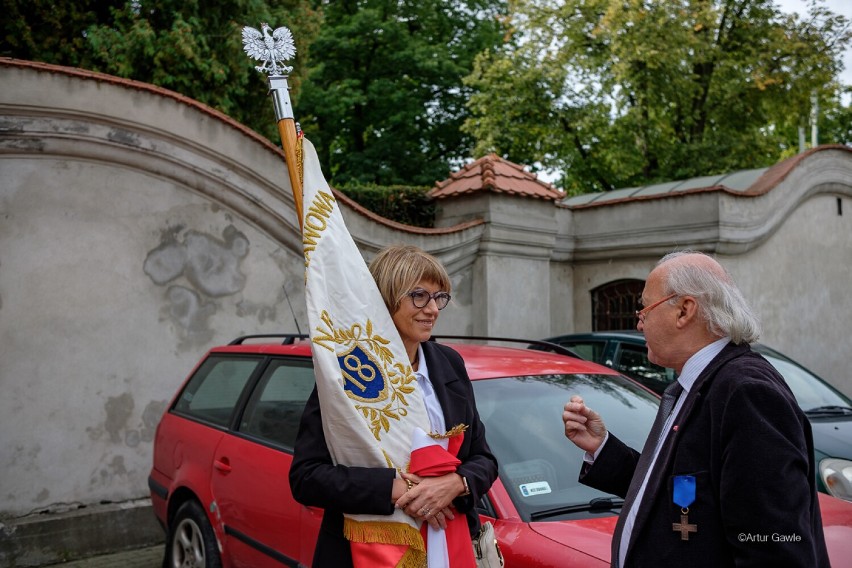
{"x":398,"y":377}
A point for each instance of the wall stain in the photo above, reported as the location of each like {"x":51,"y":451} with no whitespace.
{"x":117,"y":425}
{"x":189,"y":311}
{"x":210,"y":268}
{"x":150,"y":418}
{"x":263,"y":312}
{"x":106,"y":474}
{"x":28,"y":455}
{"x":165,"y":263}
{"x":118,"y":411}
{"x":211,"y":265}
{"x":121,"y":136}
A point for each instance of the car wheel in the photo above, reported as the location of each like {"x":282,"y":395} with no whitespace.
{"x":191,"y":543}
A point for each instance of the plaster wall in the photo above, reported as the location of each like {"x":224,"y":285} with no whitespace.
{"x":511,"y":297}
{"x":797,"y":282}
{"x":562,"y":311}
{"x":512,"y":276}
{"x":113,"y":284}
{"x":643,"y":229}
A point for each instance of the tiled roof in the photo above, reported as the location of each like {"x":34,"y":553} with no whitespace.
{"x":493,"y":173}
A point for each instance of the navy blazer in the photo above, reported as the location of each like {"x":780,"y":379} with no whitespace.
{"x":742,"y":435}
{"x":315,"y":481}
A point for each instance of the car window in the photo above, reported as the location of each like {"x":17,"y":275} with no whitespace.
{"x":275,"y":408}
{"x":588,"y":350}
{"x":633,"y":362}
{"x":810,"y":391}
{"x":538,"y":466}
{"x":213,"y":391}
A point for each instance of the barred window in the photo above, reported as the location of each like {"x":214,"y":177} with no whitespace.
{"x":614,"y":305}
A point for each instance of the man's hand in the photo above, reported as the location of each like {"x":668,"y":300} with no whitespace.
{"x":583,"y":426}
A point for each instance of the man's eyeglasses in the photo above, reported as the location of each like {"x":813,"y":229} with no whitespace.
{"x":640,"y":314}
{"x":420,"y":298}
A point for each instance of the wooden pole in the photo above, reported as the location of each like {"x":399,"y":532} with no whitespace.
{"x":280,"y":92}
{"x":290,"y":144}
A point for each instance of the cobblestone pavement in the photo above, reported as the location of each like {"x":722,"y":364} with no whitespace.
{"x":151,"y":557}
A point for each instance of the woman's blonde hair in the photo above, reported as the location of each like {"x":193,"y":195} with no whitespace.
{"x":397,"y":269}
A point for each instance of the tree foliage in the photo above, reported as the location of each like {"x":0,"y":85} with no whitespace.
{"x":623,"y":93}
{"x":384,"y":100}
{"x":402,"y":203}
{"x":192,"y":47}
{"x":613,"y":94}
{"x":51,"y":32}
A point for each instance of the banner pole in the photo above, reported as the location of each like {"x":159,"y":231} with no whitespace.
{"x":279,"y":90}
{"x":272,"y":49}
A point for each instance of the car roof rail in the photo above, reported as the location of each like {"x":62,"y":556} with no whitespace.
{"x":536,"y":344}
{"x":287,"y":338}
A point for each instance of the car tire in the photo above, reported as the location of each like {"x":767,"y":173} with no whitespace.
{"x":191,"y":542}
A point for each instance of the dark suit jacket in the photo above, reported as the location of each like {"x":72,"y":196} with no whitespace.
{"x":742,"y":435}
{"x":316,"y":482}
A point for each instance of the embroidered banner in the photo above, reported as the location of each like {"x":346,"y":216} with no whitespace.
{"x":370,"y":403}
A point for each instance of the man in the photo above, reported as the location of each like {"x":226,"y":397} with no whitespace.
{"x":726,"y":477}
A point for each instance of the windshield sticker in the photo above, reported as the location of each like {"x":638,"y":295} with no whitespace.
{"x":536,"y":488}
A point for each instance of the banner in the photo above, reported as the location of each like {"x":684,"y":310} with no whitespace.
{"x":368,"y":393}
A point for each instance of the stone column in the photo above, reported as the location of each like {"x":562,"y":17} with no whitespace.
{"x":511,"y":276}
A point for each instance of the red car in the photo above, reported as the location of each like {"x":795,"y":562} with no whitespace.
{"x":219,"y":484}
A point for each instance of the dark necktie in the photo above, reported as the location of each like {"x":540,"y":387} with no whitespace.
{"x":670,"y":396}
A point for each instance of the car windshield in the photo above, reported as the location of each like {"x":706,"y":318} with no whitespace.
{"x":810,"y":391}
{"x":538,"y":465}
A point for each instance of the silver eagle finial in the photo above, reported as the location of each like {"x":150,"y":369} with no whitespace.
{"x":272,"y":49}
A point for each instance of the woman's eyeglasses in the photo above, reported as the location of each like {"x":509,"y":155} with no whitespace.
{"x":420,"y":298}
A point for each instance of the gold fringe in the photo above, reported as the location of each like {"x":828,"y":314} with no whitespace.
{"x":300,"y":161}
{"x":412,"y":559}
{"x":383,"y":532}
{"x":454,"y":431}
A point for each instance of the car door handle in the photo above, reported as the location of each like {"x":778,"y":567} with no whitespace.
{"x":223,"y":465}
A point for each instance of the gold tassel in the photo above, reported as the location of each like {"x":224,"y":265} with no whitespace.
{"x":454,"y":431}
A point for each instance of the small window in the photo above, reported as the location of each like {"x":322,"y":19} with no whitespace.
{"x":275,"y":408}
{"x":212,"y":393}
{"x":614,"y":305}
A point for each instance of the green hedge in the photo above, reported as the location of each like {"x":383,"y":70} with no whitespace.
{"x":401,"y":203}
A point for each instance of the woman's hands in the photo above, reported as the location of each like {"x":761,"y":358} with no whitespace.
{"x":430,"y":498}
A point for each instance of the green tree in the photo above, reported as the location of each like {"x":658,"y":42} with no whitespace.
{"x":384,"y":100}
{"x":192,"y":47}
{"x":623,"y":93}
{"x":51,"y":32}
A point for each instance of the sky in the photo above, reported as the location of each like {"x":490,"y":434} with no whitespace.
{"x":842,"y":7}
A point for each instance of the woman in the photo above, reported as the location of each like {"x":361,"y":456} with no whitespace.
{"x":415,"y":287}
